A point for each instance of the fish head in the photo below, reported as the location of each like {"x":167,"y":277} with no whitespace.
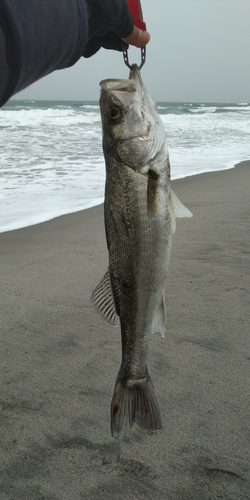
{"x":132,"y":128}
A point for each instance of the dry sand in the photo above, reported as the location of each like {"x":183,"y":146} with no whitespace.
{"x":59,"y":359}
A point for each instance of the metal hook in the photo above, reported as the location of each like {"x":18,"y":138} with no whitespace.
{"x":125,"y":47}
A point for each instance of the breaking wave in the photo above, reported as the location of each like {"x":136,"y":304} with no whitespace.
{"x":51,"y":159}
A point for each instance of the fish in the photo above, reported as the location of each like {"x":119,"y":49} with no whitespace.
{"x":139,"y":211}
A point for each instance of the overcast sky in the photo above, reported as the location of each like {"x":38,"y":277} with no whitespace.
{"x":199,"y":52}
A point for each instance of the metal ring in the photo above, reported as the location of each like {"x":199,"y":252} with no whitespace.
{"x":125,"y":47}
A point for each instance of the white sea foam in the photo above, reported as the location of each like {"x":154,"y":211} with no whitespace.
{"x":204,"y":109}
{"x":51,"y":159}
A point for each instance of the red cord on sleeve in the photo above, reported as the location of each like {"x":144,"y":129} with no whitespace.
{"x":135,"y":10}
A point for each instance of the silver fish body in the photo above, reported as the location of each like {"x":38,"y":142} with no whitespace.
{"x":139,"y":221}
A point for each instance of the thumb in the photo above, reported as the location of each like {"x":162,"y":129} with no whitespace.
{"x":138,"y":38}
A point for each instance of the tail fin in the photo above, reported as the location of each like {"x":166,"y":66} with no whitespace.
{"x":134,"y":403}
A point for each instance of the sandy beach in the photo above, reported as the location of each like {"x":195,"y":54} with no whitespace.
{"x":59,"y":359}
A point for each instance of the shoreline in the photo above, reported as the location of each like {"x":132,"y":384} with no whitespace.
{"x":93,"y":206}
{"x":59,"y":359}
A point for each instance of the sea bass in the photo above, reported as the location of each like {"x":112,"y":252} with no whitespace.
{"x":140,"y":211}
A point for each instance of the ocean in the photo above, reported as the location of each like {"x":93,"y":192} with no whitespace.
{"x":51,"y":159}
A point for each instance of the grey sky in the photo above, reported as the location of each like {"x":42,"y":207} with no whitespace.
{"x":199,"y":51}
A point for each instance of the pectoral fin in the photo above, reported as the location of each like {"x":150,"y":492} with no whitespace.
{"x":177,"y":209}
{"x":152,"y":192}
{"x":159,"y":323}
{"x":102,"y":300}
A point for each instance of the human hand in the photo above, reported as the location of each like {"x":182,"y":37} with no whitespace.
{"x":109,"y":21}
{"x":138,"y":38}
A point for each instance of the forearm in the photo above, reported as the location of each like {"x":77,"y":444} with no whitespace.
{"x":38,"y":37}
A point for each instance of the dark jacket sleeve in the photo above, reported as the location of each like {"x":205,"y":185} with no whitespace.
{"x":40,"y":37}
{"x":109,"y":21}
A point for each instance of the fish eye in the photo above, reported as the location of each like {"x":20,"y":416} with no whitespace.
{"x":114,"y":113}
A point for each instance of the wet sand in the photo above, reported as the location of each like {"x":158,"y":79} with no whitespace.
{"x":59,"y":359}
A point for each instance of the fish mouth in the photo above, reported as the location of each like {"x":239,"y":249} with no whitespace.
{"x":117,"y":86}
{"x":124,"y":90}
{"x":129,"y":85}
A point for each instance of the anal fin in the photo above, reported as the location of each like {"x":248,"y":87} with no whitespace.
{"x":160,"y":319}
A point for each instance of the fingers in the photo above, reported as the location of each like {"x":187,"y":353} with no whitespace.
{"x":138,"y":38}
